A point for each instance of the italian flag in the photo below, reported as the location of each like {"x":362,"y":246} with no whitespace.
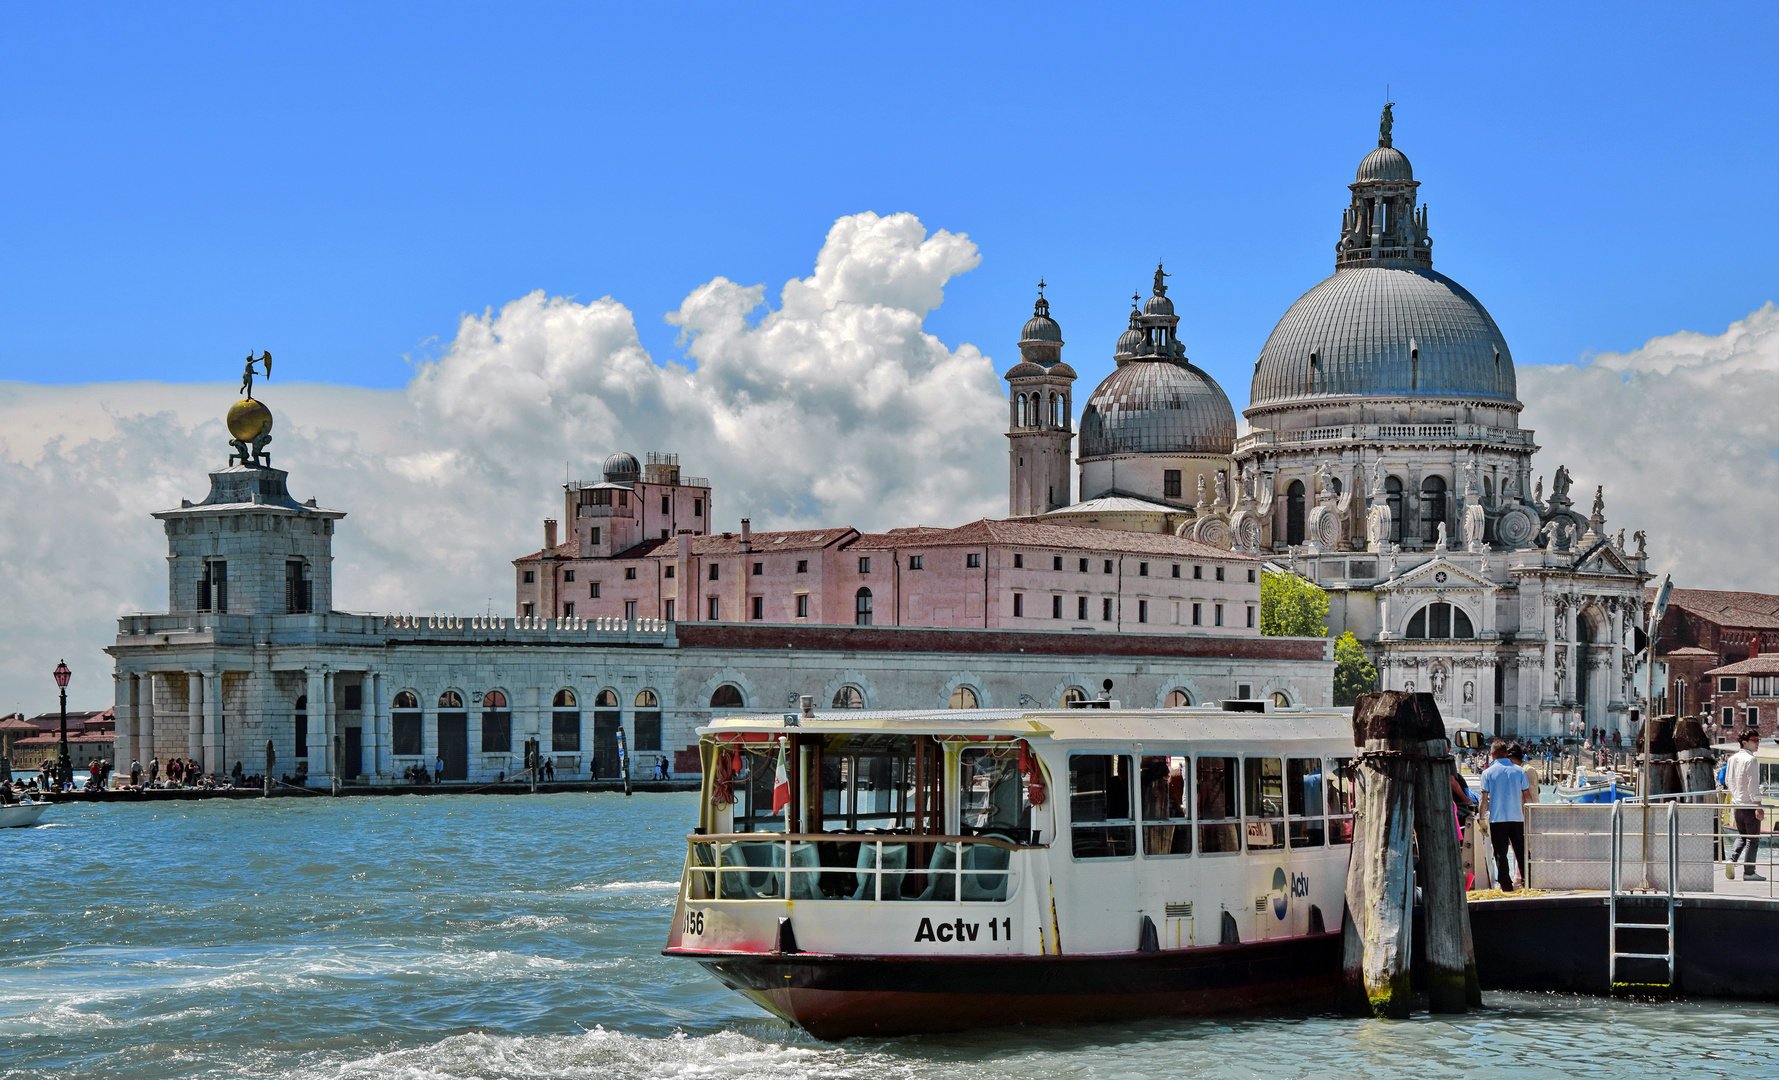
{"x":781,"y":785}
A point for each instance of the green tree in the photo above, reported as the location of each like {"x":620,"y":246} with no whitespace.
{"x":1353,"y":671}
{"x":1292,"y":606}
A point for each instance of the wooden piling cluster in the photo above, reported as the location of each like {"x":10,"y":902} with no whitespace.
{"x":1697,"y":763}
{"x":1403,"y":780}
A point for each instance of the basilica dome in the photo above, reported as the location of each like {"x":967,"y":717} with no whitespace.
{"x":1384,"y":331}
{"x":1157,"y":406}
{"x":1384,"y":163}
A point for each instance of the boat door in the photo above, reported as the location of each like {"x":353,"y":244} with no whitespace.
{"x":454,"y":745}
{"x":1102,"y":844}
{"x":353,"y":754}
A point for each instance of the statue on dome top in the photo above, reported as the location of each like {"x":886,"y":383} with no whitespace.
{"x":1385,"y":124}
{"x":1160,"y":285}
{"x":247,"y":373}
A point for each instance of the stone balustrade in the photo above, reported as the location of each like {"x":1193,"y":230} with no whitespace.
{"x":1473,"y":433}
{"x":222,"y":627}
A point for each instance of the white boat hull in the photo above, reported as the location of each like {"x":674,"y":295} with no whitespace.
{"x":21,"y":815}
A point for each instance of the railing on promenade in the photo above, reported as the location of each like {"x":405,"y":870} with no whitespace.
{"x":851,"y":866}
{"x":1574,"y":846}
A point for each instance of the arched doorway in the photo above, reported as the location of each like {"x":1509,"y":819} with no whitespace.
{"x":1294,"y":513}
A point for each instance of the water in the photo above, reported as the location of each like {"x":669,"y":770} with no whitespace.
{"x":475,"y":936}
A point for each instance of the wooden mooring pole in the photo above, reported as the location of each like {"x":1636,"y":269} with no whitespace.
{"x":265,"y":779}
{"x":1404,"y":788}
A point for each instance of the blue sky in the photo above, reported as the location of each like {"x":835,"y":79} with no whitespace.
{"x":338,"y":184}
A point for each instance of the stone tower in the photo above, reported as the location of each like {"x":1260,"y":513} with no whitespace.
{"x":1040,"y":411}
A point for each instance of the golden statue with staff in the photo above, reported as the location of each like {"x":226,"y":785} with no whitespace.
{"x":249,"y":421}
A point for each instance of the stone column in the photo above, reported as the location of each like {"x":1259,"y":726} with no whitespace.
{"x":378,"y":713}
{"x":123,"y":696}
{"x":212,"y":681}
{"x":145,"y":717}
{"x":194,"y":716}
{"x":319,"y":752}
{"x":1485,"y":691}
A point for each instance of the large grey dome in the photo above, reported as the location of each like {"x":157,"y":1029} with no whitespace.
{"x":1381,"y":331}
{"x":1157,"y":407}
{"x":621,"y":468}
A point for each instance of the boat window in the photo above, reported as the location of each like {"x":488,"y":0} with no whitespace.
{"x":752,"y":769}
{"x":1219,"y":786}
{"x":1339,"y":786}
{"x":1167,"y":828}
{"x":867,"y":783}
{"x":1100,"y":806}
{"x":1265,"y":800}
{"x":1304,"y":801}
{"x":992,"y":794}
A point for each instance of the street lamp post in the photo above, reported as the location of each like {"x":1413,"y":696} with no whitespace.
{"x":64,"y":763}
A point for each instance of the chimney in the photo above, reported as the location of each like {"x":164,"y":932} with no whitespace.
{"x":1754,"y":645}
{"x":747,"y":535}
{"x":808,"y":703}
{"x":549,"y":535}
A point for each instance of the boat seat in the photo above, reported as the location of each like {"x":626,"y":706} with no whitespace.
{"x":805,"y":886}
{"x":895,"y":857}
{"x":985,"y":886}
{"x":941,"y":884}
{"x":752,"y":886}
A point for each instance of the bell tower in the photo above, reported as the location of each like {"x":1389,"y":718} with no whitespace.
{"x":1040,"y":412}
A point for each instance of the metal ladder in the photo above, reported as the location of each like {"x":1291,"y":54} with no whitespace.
{"x":1618,"y":889}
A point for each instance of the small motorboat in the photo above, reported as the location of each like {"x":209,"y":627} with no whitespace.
{"x":1594,"y":787}
{"x":19,"y":815}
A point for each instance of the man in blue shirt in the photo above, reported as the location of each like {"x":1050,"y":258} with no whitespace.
{"x":1505,"y":794}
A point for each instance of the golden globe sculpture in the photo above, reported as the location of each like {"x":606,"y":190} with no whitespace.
{"x":249,"y":419}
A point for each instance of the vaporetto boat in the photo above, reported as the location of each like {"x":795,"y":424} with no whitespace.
{"x":937,"y":870}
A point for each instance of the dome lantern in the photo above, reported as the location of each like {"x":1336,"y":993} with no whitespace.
{"x":1382,"y":226}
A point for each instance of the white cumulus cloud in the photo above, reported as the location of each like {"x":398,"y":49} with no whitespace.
{"x":1684,"y":434}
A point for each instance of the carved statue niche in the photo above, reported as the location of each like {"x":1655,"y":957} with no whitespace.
{"x":1439,"y":542}
{"x":1469,"y":693}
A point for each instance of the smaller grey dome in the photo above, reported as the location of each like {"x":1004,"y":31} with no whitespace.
{"x":1025,"y":369}
{"x":621,"y":468}
{"x":1385,"y":163}
{"x":1042,"y":328}
{"x":1158,"y":305}
{"x":1129,"y":341}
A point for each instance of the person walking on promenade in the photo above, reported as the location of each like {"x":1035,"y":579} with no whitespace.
{"x":438,"y":772}
{"x":1741,"y":776}
{"x":1505,"y":794}
{"x":154,"y":770}
{"x":135,"y":773}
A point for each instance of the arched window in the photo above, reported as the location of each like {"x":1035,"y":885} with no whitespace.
{"x":1440,"y":620}
{"x":727,"y":696}
{"x":1177,"y":699}
{"x":403,"y":700}
{"x":849,"y":697}
{"x":1055,"y":411}
{"x":646,"y":724}
{"x":1393,"y":496}
{"x":302,"y":725}
{"x":1073,"y":696}
{"x":861,"y":608}
{"x":1021,"y":412}
{"x":565,"y":722}
{"x":646,"y":699}
{"x":497,"y":724}
{"x":404,"y":725}
{"x":1281,"y":700}
{"x":607,"y":699}
{"x":963,"y":698}
{"x":1432,"y":507}
{"x":450,"y":699}
{"x":1294,"y":513}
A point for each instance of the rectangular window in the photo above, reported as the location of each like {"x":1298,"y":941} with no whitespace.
{"x":497,"y":732}
{"x":1219,"y":816}
{"x":630,"y":573}
{"x":1726,"y":684}
{"x":1018,"y":561}
{"x":648,"y":730}
{"x":1018,"y":605}
{"x":713,"y":571}
{"x":865,"y":564}
{"x":916,"y":562}
{"x":1106,"y":609}
{"x":1143,"y":569}
{"x":1170,"y":483}
{"x":666,"y":505}
{"x":529,"y":577}
{"x":1198,"y":573}
{"x":1243,"y":691}
{"x":302,"y":735}
{"x":568,"y":575}
{"x":1250,"y":575}
{"x":1166,"y":784}
{"x":697,"y":508}
{"x":1219,"y":614}
{"x":1108,"y":568}
{"x":1084,"y":566}
{"x":568,"y":610}
{"x":1100,"y":806}
{"x":1304,"y":802}
{"x":713,"y":608}
{"x":1753,"y":716}
{"x":802,"y":566}
{"x":1176,"y":569}
{"x":667,"y":571}
{"x":802,"y":605}
{"x":668,"y":612}
{"x":404,"y":733}
{"x":593,"y":590}
{"x":595,"y":536}
{"x":757,"y":608}
{"x":1056,"y":607}
{"x":972,"y":561}
{"x":1250,"y":616}
{"x":354,"y":695}
{"x":526,"y":608}
{"x":629,"y":610}
{"x":1339,"y":785}
{"x":1219,"y":573}
{"x":1056,"y":562}
{"x":759,"y":568}
{"x":623,"y":498}
{"x":1729,"y":716}
{"x":565,"y":731}
{"x":296,"y":587}
{"x":1198,"y":614}
{"x":1081,"y":608}
{"x":1142,"y":611}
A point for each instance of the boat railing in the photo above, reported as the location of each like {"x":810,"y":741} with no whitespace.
{"x":873,"y":867}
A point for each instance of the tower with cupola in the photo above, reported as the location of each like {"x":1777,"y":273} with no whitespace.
{"x":1040,"y":412}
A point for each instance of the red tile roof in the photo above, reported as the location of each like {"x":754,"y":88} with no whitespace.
{"x":1039,"y":535}
{"x":1741,"y":609}
{"x":1754,"y":665}
{"x":764,"y":543}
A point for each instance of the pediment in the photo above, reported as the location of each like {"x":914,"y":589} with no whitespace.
{"x":1603,"y":558}
{"x":1439,"y":575}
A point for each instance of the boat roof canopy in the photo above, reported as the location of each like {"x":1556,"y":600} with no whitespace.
{"x":1200,"y":723}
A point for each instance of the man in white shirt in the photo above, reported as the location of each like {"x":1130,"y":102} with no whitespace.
{"x":1742,"y":777}
{"x":1505,"y":795}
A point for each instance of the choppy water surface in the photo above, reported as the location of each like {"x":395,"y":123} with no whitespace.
{"x":476,"y":936}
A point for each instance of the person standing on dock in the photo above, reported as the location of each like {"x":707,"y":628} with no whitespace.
{"x":1741,"y":777}
{"x":1505,"y":794}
